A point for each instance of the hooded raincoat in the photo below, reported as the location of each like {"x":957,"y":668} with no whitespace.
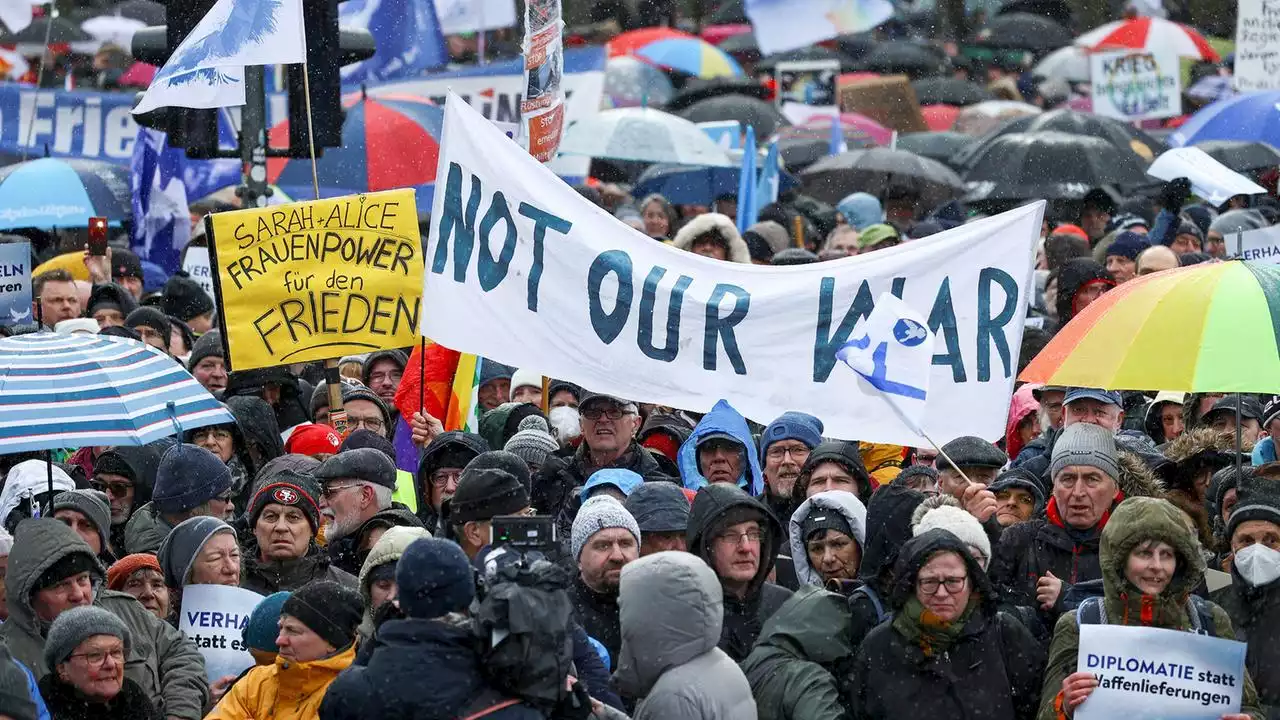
{"x":845,"y":503}
{"x":452,"y":443}
{"x":161,"y":661}
{"x":1134,"y":522}
{"x":722,"y":420}
{"x":988,"y":670}
{"x":715,"y":507}
{"x":671,"y":610}
{"x":803,"y":649}
{"x":888,"y":528}
{"x":1023,"y":404}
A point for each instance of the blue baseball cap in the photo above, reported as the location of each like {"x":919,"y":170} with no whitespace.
{"x":1110,"y":397}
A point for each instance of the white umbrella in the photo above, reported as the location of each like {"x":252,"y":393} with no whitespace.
{"x":112,"y":29}
{"x":1070,"y":63}
{"x":643,"y":135}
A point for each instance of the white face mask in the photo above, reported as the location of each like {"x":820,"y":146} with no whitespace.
{"x":1258,"y":564}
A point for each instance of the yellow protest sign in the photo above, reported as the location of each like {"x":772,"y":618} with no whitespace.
{"x":315,"y":280}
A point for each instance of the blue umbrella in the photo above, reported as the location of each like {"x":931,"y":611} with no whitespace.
{"x":694,"y":184}
{"x":54,"y":192}
{"x":60,"y":391}
{"x":1250,"y":117}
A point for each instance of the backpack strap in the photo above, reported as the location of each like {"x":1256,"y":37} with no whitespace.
{"x":881,"y":615}
{"x":492,"y":709}
{"x":1090,"y":611}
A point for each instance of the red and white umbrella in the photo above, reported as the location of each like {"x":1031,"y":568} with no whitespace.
{"x":1149,"y":33}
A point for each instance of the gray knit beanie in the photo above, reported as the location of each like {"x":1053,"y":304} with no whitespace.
{"x":77,"y":625}
{"x":93,"y":504}
{"x":533,"y":442}
{"x":1085,"y":444}
{"x":601,"y":512}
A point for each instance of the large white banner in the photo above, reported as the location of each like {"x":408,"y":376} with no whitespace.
{"x":523,"y":270}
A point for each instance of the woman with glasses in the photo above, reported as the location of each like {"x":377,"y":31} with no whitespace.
{"x":86,"y":650}
{"x":1151,"y":565}
{"x":947,"y":652}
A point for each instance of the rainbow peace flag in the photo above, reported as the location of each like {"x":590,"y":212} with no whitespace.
{"x":464,"y":407}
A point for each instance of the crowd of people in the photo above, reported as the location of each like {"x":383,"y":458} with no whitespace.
{"x":586,"y":555}
{"x":702,"y":567}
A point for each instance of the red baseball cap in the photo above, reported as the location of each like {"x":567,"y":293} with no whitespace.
{"x":313,"y":439}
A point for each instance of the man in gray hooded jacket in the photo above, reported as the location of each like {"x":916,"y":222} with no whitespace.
{"x":671,"y":608}
{"x":51,"y":569}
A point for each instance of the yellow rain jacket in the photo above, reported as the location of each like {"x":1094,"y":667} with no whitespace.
{"x":286,"y":690}
{"x":883,"y":462}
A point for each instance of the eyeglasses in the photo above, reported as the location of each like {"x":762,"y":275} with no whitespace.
{"x":799,"y":452}
{"x":929,"y":586}
{"x":613,"y":412}
{"x":733,"y":539}
{"x":112,"y":488}
{"x":332,"y":490}
{"x":440,"y":478}
{"x":372,"y":424}
{"x":97,"y":657}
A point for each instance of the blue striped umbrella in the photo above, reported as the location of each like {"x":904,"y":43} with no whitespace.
{"x":55,"y":192}
{"x":59,"y":391}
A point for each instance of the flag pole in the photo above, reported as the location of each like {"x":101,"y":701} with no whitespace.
{"x":337,"y":414}
{"x":920,"y":429}
{"x":35,"y":100}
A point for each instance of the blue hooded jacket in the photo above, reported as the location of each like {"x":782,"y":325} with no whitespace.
{"x":621,"y":478}
{"x":722,"y":419}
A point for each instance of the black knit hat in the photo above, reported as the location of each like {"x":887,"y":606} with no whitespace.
{"x":151,"y":318}
{"x":70,"y":565}
{"x":328,"y":609}
{"x":209,"y":345}
{"x":110,"y":296}
{"x":485,"y":494}
{"x":1256,"y":499}
{"x":184,"y":298}
{"x":288,"y":488}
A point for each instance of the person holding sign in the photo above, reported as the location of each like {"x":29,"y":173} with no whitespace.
{"x":1150,"y":565}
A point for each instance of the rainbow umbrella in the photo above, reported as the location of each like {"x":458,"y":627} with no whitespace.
{"x":675,"y":50}
{"x":1205,"y":328}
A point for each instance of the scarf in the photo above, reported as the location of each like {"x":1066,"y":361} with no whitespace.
{"x":1132,"y":607}
{"x":933,"y":635}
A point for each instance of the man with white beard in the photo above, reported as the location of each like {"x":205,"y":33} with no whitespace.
{"x":355,"y":500}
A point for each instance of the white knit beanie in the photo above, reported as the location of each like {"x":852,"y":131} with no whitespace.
{"x":960,"y":523}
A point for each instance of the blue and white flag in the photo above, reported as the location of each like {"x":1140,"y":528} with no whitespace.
{"x":747,"y":183}
{"x":407,"y":34}
{"x":838,"y":144}
{"x":770,"y":183}
{"x":162,"y":222}
{"x":207,"y":69}
{"x":892,"y":350}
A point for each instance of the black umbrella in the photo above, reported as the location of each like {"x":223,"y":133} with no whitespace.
{"x":799,"y":151}
{"x":877,"y":170}
{"x":949,"y":91}
{"x":63,"y":31}
{"x":916,"y":61}
{"x":940,"y":146}
{"x":1049,"y":165}
{"x":856,"y":46}
{"x":147,"y":11}
{"x":1056,"y":10}
{"x":698,"y":89}
{"x":742,"y":44}
{"x":761,"y":115}
{"x":808,"y":54}
{"x":1242,"y":156}
{"x":1022,"y":31}
{"x":729,"y":12}
{"x":1120,"y":135}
